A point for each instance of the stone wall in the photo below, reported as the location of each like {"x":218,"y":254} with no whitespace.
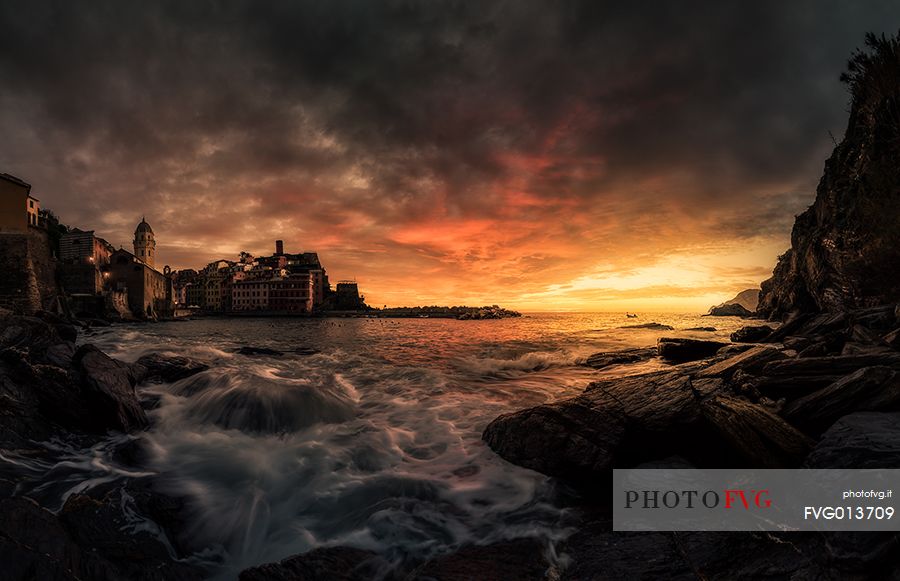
{"x":28,"y":281}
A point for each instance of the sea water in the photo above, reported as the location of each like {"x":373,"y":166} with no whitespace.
{"x":364,"y":432}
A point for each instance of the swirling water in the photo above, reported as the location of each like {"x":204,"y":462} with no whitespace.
{"x":373,"y":440}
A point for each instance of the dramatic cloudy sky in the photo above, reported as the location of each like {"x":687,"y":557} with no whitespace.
{"x":545,"y":155}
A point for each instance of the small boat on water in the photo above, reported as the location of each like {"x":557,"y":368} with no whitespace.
{"x":631,"y":315}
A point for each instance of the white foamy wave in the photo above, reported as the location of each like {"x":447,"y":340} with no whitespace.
{"x":262,"y":402}
{"x":533,"y":361}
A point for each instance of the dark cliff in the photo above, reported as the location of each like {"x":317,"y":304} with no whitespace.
{"x":845,"y":248}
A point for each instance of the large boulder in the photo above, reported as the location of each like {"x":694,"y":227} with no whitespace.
{"x":108,"y":397}
{"x":630,"y":420}
{"x":680,"y":350}
{"x":129,"y":528}
{"x":751,"y":334}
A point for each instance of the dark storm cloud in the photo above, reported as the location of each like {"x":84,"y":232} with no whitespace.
{"x":443,"y":133}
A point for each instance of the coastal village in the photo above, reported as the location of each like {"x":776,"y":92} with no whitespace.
{"x":71,"y":270}
{"x":76,"y":272}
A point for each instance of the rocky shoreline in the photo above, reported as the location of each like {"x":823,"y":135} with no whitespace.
{"x":803,"y":394}
{"x":819,"y":391}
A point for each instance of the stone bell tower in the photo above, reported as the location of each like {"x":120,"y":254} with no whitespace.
{"x":145,"y":243}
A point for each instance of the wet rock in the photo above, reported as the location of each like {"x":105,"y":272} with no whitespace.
{"x":877,"y":319}
{"x":34,"y":545}
{"x":791,"y":386}
{"x":751,"y":334}
{"x":597,"y":553}
{"x":864,"y":554}
{"x":60,"y":355}
{"x":609,"y":358}
{"x":733,"y":349}
{"x":750,"y":360}
{"x":107,"y":390}
{"x":332,"y":563}
{"x":760,"y":437}
{"x":859,"y":440}
{"x":30,"y":335}
{"x":654,"y":326}
{"x":517,"y":559}
{"x":892,"y":339}
{"x":729,"y":310}
{"x":569,"y":439}
{"x":833,"y":365}
{"x":868,"y":389}
{"x":306,"y":351}
{"x":251,"y":351}
{"x":134,"y":453}
{"x":680,"y":350}
{"x":121,"y":531}
{"x":66,"y":328}
{"x":156,"y":367}
{"x":624,"y":422}
{"x":796,"y":343}
{"x":852,"y":348}
{"x":755,"y":555}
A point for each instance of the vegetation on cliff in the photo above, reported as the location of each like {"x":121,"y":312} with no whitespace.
{"x":846,"y":247}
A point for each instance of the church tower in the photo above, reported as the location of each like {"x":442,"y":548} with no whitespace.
{"x":145,"y":243}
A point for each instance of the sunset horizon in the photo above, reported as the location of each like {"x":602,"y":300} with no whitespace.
{"x":437,"y":290}
{"x":606,"y":193}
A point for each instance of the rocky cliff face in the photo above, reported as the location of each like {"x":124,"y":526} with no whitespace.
{"x":845,"y":249}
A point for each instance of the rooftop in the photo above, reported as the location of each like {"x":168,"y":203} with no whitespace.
{"x":15,"y":180}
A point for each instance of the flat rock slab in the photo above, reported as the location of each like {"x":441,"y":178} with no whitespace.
{"x":759,"y":436}
{"x":750,"y":360}
{"x":609,"y":358}
{"x":859,"y":440}
{"x":834,"y":365}
{"x":868,"y":389}
{"x":623,"y":422}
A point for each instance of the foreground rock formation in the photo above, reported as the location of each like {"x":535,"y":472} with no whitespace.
{"x":51,"y":389}
{"x":767,"y":406}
